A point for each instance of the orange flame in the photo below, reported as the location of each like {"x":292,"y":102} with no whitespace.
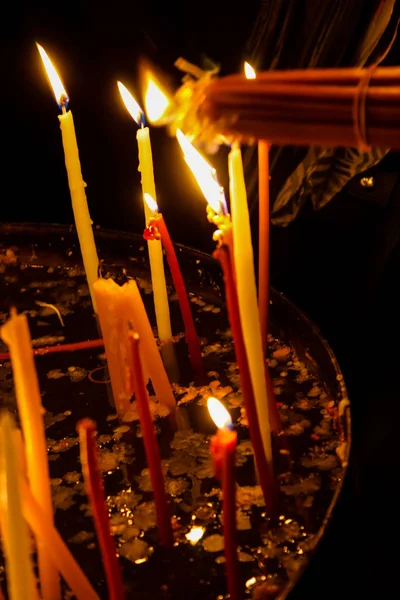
{"x":54,"y":79}
{"x":132,"y":106}
{"x":151,"y":203}
{"x":249,"y":71}
{"x":218,"y":413}
{"x":156,"y":101}
{"x":204,"y":173}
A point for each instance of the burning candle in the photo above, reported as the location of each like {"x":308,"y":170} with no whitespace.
{"x":157,"y":228}
{"x":16,"y":335}
{"x":150,"y":446}
{"x":223,"y":450}
{"x":263,"y":227}
{"x":247,"y":293}
{"x":148,"y":187}
{"x":76,"y":184}
{"x":16,"y":542}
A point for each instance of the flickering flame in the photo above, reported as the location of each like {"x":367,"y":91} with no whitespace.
{"x":204,"y":174}
{"x":218,"y":413}
{"x":132,"y":106}
{"x":249,"y":71}
{"x":195,"y":534}
{"x":55,"y":81}
{"x":155,"y":100}
{"x":151,"y":203}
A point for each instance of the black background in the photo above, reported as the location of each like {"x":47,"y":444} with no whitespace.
{"x":340,"y":265}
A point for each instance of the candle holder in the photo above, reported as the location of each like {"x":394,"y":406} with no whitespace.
{"x":42,"y":274}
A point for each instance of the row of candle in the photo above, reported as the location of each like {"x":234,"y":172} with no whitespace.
{"x":117,"y":307}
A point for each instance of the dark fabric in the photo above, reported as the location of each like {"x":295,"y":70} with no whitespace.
{"x":299,"y":34}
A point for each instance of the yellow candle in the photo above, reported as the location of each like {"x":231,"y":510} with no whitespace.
{"x":119,"y":306}
{"x":247,"y":292}
{"x":152,"y":362}
{"x":156,"y":259}
{"x":76,"y":184}
{"x":16,"y":335}
{"x":155,"y":247}
{"x":52,"y":540}
{"x":115,"y":333}
{"x":16,"y":542}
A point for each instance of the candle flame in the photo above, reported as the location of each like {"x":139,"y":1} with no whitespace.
{"x":249,"y":71}
{"x":195,"y":534}
{"x":55,"y":81}
{"x":155,"y":100}
{"x":132,"y":106}
{"x":151,"y":203}
{"x":204,"y":174}
{"x":218,"y":413}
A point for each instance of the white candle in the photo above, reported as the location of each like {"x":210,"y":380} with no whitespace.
{"x":247,"y":292}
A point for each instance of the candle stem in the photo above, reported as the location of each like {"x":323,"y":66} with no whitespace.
{"x":190,"y":330}
{"x":229,"y":520}
{"x":94,"y":485}
{"x":151,"y":446}
{"x":267,"y":482}
{"x":263,"y":238}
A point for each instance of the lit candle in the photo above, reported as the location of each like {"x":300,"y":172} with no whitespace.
{"x":223,"y":450}
{"x":95,"y":490}
{"x":76,"y":184}
{"x":157,"y":228}
{"x":16,"y":542}
{"x":263,"y":227}
{"x":160,"y":295}
{"x":150,"y":445}
{"x":119,"y":306}
{"x":16,"y":335}
{"x":247,"y":293}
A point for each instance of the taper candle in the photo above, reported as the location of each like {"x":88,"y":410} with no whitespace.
{"x":76,"y":184}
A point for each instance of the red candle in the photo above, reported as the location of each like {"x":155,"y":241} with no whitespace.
{"x":150,"y":445}
{"x":266,"y":479}
{"x":223,"y":451}
{"x":156,"y":229}
{"x":94,"y":484}
{"x":263,"y":237}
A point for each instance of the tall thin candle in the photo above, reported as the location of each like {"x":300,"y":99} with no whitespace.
{"x":158,"y":228}
{"x":150,"y":445}
{"x":16,"y":334}
{"x":94,"y":485}
{"x":247,"y":293}
{"x":16,"y":542}
{"x":263,"y":227}
{"x":76,"y":184}
{"x":265,"y":475}
{"x":223,"y":450}
{"x":160,"y":295}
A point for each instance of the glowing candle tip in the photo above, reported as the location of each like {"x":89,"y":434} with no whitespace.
{"x":219,"y":414}
{"x":204,"y":174}
{"x":249,"y":71}
{"x":55,"y":81}
{"x":155,"y":100}
{"x":151,"y":203}
{"x":131,"y":105}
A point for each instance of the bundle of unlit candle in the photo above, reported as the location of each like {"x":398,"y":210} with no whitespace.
{"x":329,"y":107}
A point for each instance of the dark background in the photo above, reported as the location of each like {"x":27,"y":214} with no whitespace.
{"x":340,"y":265}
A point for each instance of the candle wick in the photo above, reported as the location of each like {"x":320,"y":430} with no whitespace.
{"x":63,"y":109}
